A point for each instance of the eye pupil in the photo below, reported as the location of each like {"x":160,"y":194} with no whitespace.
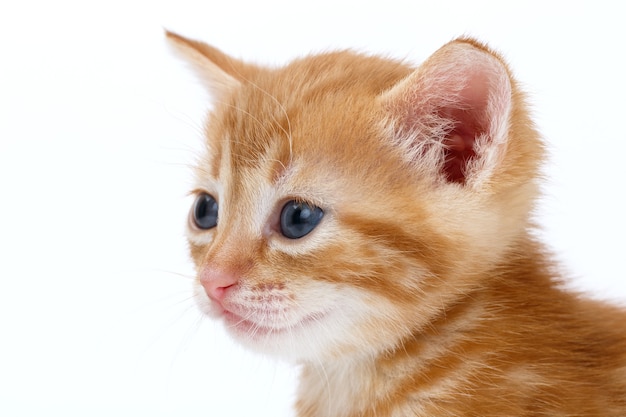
{"x":299,"y":219}
{"x":205,"y":211}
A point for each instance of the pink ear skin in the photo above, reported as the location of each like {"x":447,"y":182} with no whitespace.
{"x":458,"y":97}
{"x":216,"y":283}
{"x":470,"y":122}
{"x":459,"y":149}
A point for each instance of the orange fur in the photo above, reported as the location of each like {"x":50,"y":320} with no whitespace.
{"x":422,"y":291}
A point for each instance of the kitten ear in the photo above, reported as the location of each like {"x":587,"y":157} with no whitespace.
{"x":451,"y":115}
{"x":219,"y":72}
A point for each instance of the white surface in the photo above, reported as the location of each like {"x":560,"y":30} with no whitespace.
{"x":98,"y":123}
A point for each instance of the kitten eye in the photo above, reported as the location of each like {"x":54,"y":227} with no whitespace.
{"x":299,"y":219}
{"x":205,"y":211}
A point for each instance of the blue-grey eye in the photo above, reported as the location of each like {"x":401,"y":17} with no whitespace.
{"x":205,"y":211}
{"x":298,"y":219}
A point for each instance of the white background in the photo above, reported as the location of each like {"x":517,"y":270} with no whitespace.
{"x":98,"y":126}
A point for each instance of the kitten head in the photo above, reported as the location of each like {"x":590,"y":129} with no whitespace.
{"x":344,"y":200}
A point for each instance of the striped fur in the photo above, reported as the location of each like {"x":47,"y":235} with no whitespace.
{"x":422,"y":292}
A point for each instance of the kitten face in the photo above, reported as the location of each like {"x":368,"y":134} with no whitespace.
{"x":344,"y":199}
{"x":292,"y":296}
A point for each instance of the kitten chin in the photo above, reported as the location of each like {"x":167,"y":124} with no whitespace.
{"x":290,"y":326}
{"x":372,"y":221}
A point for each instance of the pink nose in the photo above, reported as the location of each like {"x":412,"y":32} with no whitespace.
{"x":216,"y":283}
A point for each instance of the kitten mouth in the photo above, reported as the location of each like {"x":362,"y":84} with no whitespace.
{"x":254,"y":330}
{"x":247,"y":327}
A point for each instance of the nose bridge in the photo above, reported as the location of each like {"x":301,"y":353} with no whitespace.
{"x":232,"y":253}
{"x":223,"y":268}
{"x":242,"y":215}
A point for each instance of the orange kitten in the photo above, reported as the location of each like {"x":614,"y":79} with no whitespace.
{"x":372,"y":222}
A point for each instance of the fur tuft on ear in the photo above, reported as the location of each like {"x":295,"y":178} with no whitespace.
{"x":451,"y":115}
{"x":220,"y":73}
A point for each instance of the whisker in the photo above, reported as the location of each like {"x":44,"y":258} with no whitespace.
{"x":175,"y":274}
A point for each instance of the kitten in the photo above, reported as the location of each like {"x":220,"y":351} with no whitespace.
{"x":372,"y":222}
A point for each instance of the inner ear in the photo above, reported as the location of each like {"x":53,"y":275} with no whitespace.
{"x":459,"y":145}
{"x":469,"y":121}
{"x":450,"y":112}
